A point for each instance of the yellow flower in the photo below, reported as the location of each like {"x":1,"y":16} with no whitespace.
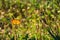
{"x":15,"y":21}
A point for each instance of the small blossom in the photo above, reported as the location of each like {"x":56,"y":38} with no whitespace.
{"x":15,"y":21}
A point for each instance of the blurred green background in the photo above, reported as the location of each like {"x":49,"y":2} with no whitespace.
{"x":39,"y":19}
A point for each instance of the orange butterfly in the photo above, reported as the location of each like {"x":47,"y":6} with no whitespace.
{"x":15,"y":21}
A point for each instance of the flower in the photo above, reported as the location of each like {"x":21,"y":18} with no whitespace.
{"x":15,"y":21}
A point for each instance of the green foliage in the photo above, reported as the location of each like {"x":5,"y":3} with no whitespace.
{"x":39,"y":19}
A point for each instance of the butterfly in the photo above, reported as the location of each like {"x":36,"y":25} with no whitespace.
{"x":15,"y":21}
